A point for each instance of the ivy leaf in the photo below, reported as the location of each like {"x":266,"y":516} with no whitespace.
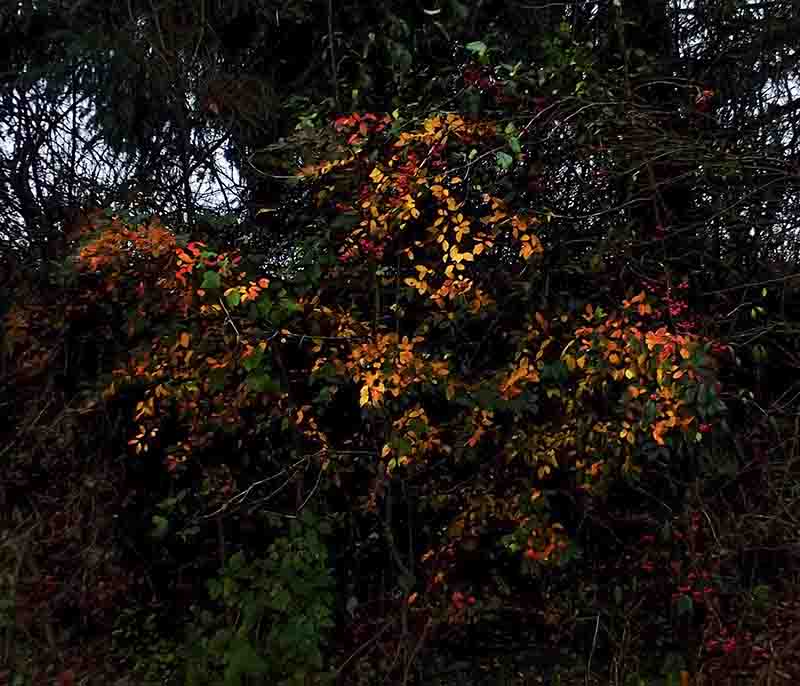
{"x":504,"y":161}
{"x":211,"y":280}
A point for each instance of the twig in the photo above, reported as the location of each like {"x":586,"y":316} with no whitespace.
{"x":414,"y":652}
{"x":494,"y":151}
{"x":240,"y":497}
{"x":270,"y":496}
{"x":26,"y":429}
{"x":202,"y":31}
{"x":230,"y":320}
{"x":334,"y":69}
{"x":781,"y":279}
{"x":311,"y":493}
{"x":591,"y":653}
{"x":362,"y":647}
{"x":312,"y":337}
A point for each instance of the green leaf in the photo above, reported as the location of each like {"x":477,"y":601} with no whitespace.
{"x":254,"y":360}
{"x":217,"y":379}
{"x":513,"y":143}
{"x":261,"y":383}
{"x":264,"y":306}
{"x":289,"y":305}
{"x":403,"y":446}
{"x":211,"y":280}
{"x":477,"y":47}
{"x":243,"y":660}
{"x":346,"y":220}
{"x":160,"y":526}
{"x":233,"y":298}
{"x":684,"y":605}
{"x":504,"y":160}
{"x":400,"y":56}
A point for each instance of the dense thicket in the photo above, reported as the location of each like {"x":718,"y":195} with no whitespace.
{"x":398,"y":343}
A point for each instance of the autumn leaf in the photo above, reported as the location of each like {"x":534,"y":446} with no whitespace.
{"x":530,"y":246}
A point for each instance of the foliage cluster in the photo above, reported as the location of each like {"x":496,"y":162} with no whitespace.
{"x":506,"y":404}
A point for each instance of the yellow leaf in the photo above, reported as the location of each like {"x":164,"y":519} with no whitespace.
{"x":544,"y":470}
{"x":185,"y":339}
